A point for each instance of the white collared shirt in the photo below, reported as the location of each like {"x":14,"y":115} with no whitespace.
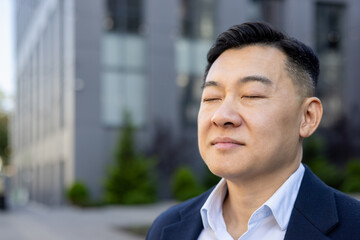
{"x":268,"y":222}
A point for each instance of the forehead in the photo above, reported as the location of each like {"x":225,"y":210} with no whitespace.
{"x":250,"y":60}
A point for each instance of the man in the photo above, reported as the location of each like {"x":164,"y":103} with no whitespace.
{"x":257,"y":106}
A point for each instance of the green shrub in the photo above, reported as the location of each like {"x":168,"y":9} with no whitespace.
{"x":129,"y":180}
{"x":352,"y":177}
{"x":314,"y":146}
{"x":184,"y":184}
{"x":78,"y":194}
{"x":130,"y":183}
{"x":326,"y":171}
{"x":314,"y":157}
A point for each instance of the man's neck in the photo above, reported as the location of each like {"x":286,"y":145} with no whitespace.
{"x":245,"y":197}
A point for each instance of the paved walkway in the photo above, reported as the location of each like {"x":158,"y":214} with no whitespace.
{"x":68,"y":223}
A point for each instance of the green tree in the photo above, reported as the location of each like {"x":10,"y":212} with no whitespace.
{"x":4,"y":136}
{"x":351,"y":183}
{"x":129,"y":179}
{"x":4,"y":139}
{"x":315,"y":158}
{"x":185,"y":185}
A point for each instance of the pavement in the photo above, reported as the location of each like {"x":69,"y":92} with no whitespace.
{"x":36,"y":221}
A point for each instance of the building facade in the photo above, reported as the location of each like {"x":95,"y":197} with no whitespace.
{"x":82,"y":63}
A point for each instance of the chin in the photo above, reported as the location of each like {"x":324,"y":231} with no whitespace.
{"x":224,"y":171}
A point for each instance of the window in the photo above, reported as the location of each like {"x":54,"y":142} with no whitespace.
{"x":123,"y":54}
{"x":124,"y":16}
{"x":270,"y":11}
{"x":197,"y":34}
{"x":123,"y":92}
{"x":197,"y":18}
{"x":329,"y":45}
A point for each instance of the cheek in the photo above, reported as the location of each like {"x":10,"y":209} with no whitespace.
{"x":202,"y":122}
{"x":200,"y":117}
{"x":274,"y":122}
{"x":204,"y":118}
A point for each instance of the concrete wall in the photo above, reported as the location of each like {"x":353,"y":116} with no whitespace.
{"x":89,"y":133}
{"x":161,"y":30}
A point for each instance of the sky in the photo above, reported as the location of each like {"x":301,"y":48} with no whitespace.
{"x":7,"y":52}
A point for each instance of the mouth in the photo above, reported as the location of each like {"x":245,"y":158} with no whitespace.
{"x":222,"y":143}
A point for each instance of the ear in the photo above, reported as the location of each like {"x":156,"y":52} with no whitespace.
{"x":311,"y":116}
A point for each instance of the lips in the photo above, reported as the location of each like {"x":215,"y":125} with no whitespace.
{"x":225,"y":143}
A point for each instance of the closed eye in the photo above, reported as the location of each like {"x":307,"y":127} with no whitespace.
{"x":252,"y":96}
{"x":211,"y":99}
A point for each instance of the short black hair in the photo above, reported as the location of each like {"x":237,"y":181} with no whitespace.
{"x":302,"y":62}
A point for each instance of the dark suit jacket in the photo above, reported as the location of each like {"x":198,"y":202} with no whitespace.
{"x":319,"y":213}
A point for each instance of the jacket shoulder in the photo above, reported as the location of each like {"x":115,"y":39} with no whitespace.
{"x":176,"y":213}
{"x":324,"y":210}
{"x":348,"y":209}
{"x":348,"y":213}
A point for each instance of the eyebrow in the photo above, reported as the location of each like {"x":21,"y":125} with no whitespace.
{"x":256,"y":78}
{"x":210,"y":83}
{"x":252,"y":78}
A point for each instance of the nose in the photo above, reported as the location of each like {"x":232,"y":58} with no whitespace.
{"x":227,"y":115}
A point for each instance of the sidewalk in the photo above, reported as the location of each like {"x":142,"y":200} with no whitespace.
{"x":68,"y":223}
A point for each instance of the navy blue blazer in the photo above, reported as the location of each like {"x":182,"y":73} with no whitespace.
{"x":319,"y":213}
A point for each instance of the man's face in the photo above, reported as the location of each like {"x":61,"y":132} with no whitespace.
{"x":250,"y":114}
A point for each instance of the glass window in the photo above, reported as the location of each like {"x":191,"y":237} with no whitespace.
{"x":123,"y":54}
{"x":191,"y":56}
{"x":197,"y":34}
{"x":123,"y":51}
{"x":198,"y":18}
{"x":123,"y":93}
{"x":112,"y":50}
{"x":112,"y":98}
{"x":271,"y":11}
{"x":124,"y":16}
{"x":191,"y":95}
{"x":134,"y":51}
{"x":329,"y":45}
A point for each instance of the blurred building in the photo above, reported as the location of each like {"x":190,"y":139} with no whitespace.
{"x":82,"y":63}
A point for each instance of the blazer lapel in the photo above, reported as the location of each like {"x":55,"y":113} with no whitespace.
{"x":301,"y":229}
{"x":189,"y":228}
{"x":190,"y":224}
{"x":314,"y":214}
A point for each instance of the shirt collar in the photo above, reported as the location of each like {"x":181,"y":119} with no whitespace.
{"x":280,"y":204}
{"x":282,"y":201}
{"x":212,"y":208}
